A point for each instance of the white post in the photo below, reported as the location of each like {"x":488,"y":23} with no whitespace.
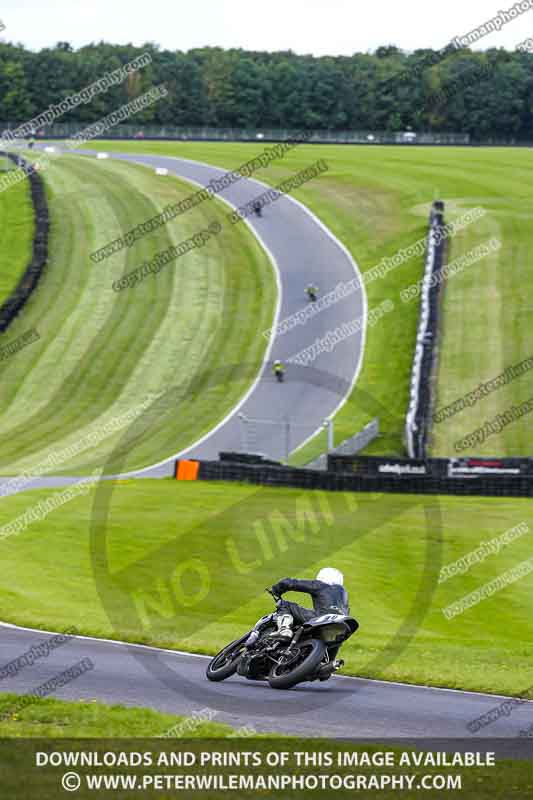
{"x":244,"y":432}
{"x":328,"y":423}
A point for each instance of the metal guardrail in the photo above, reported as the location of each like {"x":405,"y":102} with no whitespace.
{"x":349,"y":447}
{"x":418,"y":413}
{"x":65,"y":130}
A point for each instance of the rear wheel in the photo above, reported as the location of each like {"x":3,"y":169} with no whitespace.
{"x":297,"y":665}
{"x":226,"y":662}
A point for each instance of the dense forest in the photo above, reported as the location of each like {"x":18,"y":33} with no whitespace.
{"x":485,"y":94}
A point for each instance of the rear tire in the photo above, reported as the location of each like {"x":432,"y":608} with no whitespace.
{"x":225,"y":664}
{"x":313,"y":652}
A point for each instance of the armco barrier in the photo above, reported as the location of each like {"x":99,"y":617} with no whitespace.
{"x":29,"y":280}
{"x":65,"y":130}
{"x":350,"y":446}
{"x":419,"y":411}
{"x":434,"y":481}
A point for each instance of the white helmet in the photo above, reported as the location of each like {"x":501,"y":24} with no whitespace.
{"x":331,"y":575}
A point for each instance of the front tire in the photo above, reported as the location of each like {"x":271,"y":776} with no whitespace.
{"x":286,"y":675}
{"x":225,"y":664}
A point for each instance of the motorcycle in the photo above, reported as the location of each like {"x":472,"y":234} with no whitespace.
{"x":280,"y":375}
{"x":311,"y":295}
{"x":258,"y":210}
{"x":308,"y":656}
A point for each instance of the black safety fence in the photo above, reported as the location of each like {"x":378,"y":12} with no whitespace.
{"x":466,"y":476}
{"x":485,"y":476}
{"x":32,"y":274}
{"x":418,"y":420}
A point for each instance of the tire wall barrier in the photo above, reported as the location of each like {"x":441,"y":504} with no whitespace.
{"x":29,"y":280}
{"x":504,"y":478}
{"x":419,"y":412}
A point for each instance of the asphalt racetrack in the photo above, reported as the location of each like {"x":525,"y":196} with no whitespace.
{"x":176,"y":683}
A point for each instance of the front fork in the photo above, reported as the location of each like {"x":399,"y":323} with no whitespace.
{"x":295,"y":639}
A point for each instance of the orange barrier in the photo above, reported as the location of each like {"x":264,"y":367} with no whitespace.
{"x":187,"y":470}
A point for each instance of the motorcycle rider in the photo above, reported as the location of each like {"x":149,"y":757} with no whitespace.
{"x":279,"y":370}
{"x":257,"y":208}
{"x":312,"y":292}
{"x":329,"y":597}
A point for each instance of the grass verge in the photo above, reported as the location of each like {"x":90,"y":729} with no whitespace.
{"x":50,"y":718}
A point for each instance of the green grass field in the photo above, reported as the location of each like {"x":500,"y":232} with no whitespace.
{"x":102,"y":353}
{"x":487,"y":317}
{"x":189,"y":561}
{"x":16,"y":233}
{"x":50,"y":718}
{"x":376,"y":200}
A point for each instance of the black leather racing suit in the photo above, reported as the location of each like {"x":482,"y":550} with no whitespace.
{"x":327,"y":599}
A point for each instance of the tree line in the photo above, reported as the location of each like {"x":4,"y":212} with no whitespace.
{"x":486,"y":94}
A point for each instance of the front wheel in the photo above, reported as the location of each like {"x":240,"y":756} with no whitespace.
{"x":225,"y":664}
{"x":297,"y":665}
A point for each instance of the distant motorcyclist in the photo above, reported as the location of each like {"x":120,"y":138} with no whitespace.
{"x":328,"y":593}
{"x":312,"y":292}
{"x":258,"y":208}
{"x":279,"y":370}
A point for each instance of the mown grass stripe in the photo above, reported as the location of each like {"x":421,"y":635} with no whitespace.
{"x":113,"y":348}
